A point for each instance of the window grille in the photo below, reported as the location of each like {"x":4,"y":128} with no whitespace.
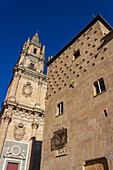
{"x":59,"y":139}
{"x":60,"y":109}
{"x":99,"y":86}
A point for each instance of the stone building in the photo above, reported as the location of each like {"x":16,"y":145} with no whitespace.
{"x":78,"y":128}
{"x":22,"y":115}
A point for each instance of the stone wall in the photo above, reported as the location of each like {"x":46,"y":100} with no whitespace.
{"x":87,"y":116}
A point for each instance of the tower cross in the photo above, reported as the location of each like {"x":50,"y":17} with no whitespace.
{"x":37,"y":31}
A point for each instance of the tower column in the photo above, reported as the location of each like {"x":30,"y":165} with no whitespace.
{"x":38,"y":94}
{"x":14,"y":86}
{"x":32,"y":140}
{"x":5,"y":122}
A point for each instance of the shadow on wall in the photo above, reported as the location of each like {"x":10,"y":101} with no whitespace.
{"x":100,"y":163}
{"x":35,"y":159}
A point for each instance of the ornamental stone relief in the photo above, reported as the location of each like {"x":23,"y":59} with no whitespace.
{"x":27,"y":89}
{"x":59,"y":139}
{"x":15,"y":152}
{"x":19,"y":131}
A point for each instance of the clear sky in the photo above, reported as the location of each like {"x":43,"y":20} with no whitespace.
{"x":58,"y":21}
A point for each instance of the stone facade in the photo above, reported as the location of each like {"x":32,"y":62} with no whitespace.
{"x":79,"y":105}
{"x":22,"y":115}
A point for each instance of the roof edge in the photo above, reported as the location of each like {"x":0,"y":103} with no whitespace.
{"x":98,"y":17}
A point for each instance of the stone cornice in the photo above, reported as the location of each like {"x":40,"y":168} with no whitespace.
{"x":7,"y":103}
{"x":33,"y":43}
{"x":31,"y":55}
{"x":38,"y":76}
{"x":13,"y":104}
{"x":18,"y":68}
{"x":31,"y":73}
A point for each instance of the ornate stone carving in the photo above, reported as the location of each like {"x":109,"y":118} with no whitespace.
{"x":14,"y":152}
{"x":34,"y":125}
{"x":27,"y":89}
{"x":59,"y":139}
{"x":19,"y":131}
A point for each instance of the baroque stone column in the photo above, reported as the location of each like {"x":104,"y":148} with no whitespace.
{"x":34,"y":128}
{"x":5,"y":122}
{"x":32,"y":140}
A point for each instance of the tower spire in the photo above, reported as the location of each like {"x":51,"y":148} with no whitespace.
{"x":33,"y":54}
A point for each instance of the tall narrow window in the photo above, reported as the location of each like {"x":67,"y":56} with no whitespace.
{"x":99,"y":86}
{"x":35,"y":50}
{"x":76,"y":54}
{"x":60,"y":109}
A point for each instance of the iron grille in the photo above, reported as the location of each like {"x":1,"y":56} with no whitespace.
{"x":59,"y":139}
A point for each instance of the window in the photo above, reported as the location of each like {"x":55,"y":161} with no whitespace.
{"x":60,"y":109}
{"x":99,"y":86}
{"x":12,"y":166}
{"x":32,"y":65}
{"x":76,"y":54}
{"x":35,"y":50}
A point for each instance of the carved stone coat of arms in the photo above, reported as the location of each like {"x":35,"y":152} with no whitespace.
{"x":19,"y":131}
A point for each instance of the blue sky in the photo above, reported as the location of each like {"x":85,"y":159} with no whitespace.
{"x":58,"y":21}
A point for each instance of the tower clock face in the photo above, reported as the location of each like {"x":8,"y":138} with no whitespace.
{"x":27,"y":89}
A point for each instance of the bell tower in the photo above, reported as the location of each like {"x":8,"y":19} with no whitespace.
{"x":22,"y":114}
{"x":33,"y":54}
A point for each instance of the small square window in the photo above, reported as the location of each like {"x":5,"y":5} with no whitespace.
{"x":76,"y":54}
{"x":99,"y":86}
{"x":60,"y":109}
{"x":32,"y":65}
{"x":35,"y":51}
